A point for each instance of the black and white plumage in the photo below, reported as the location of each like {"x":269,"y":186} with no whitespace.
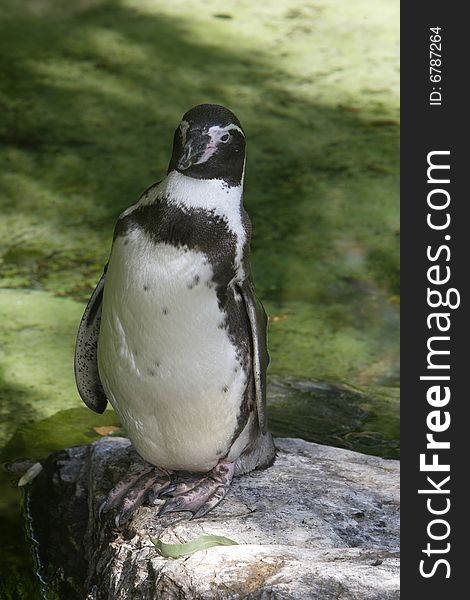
{"x":174,"y":335}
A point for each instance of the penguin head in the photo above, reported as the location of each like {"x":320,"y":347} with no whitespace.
{"x":209,"y":143}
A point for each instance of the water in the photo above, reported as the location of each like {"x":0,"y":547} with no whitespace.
{"x":90,"y":94}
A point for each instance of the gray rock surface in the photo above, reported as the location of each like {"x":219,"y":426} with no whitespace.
{"x":320,"y":523}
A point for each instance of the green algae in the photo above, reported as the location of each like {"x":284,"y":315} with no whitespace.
{"x":71,"y":427}
{"x":36,"y":356}
{"x":90,"y":93}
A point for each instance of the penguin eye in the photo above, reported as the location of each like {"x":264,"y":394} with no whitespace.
{"x":225,"y":137}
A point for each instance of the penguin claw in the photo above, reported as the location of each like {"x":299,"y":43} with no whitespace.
{"x":198,"y":497}
{"x":158,"y":489}
{"x":211,"y":502}
{"x":119,"y":491}
{"x":169,"y":491}
{"x":203,"y":495}
{"x":179,"y":488}
{"x":133,"y":491}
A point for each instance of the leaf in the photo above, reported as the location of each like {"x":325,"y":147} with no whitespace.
{"x":30,"y":474}
{"x":106,"y":429}
{"x":201,"y":543}
{"x":278,"y":318}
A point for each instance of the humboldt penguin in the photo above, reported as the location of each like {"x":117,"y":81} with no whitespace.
{"x":174,"y":335}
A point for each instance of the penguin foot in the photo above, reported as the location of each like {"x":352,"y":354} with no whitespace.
{"x":202,"y":495}
{"x":134,"y":490}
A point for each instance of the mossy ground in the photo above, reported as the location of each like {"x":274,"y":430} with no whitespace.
{"x":90,"y":93}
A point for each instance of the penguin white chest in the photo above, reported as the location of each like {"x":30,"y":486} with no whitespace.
{"x":165,"y":357}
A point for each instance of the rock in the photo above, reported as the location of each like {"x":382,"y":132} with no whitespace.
{"x":320,"y":523}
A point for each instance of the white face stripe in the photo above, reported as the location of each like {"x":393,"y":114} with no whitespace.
{"x":216,"y":133}
{"x":184,"y":126}
{"x":216,"y":128}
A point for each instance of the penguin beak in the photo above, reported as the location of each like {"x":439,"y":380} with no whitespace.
{"x":195,"y":149}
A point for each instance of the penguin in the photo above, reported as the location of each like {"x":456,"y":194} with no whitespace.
{"x":174,"y":336}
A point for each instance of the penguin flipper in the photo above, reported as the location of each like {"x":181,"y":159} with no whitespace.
{"x":259,"y":328}
{"x":87,"y":377}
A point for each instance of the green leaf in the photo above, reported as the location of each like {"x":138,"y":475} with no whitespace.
{"x":30,"y":474}
{"x":201,"y":543}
